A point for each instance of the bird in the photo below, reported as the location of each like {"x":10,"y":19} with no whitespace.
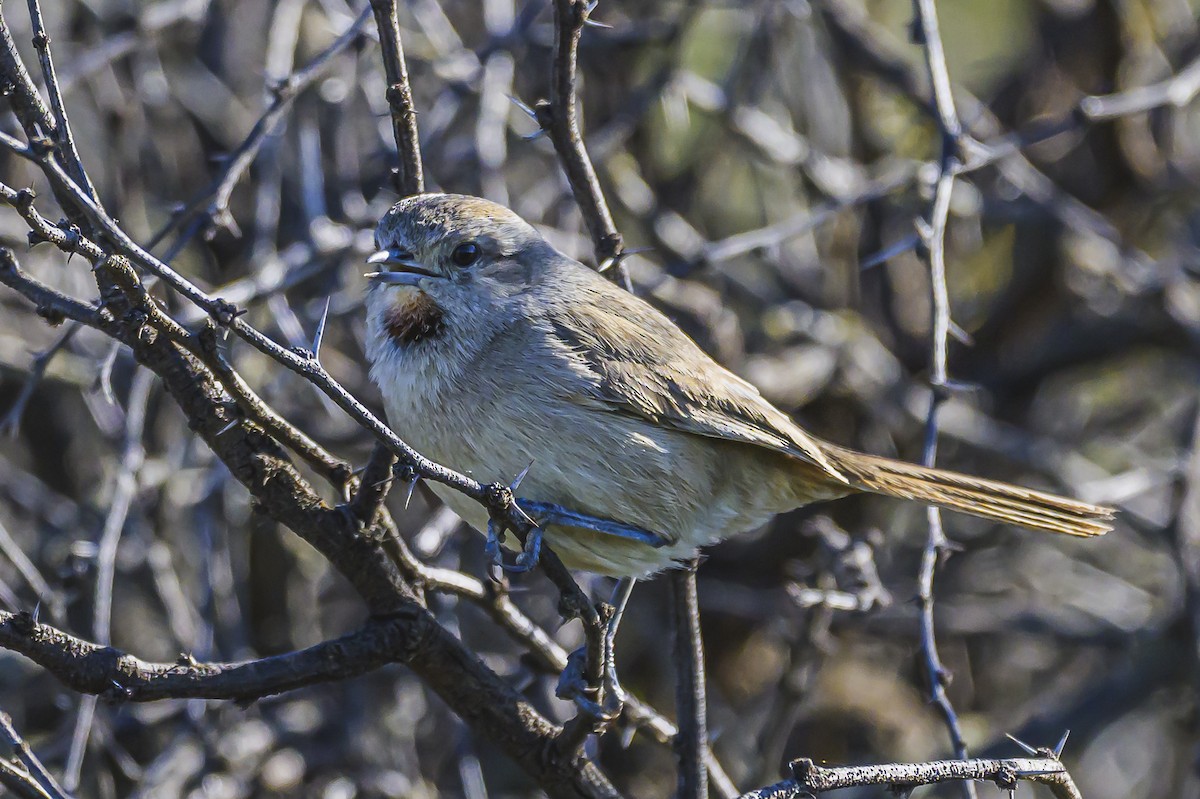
{"x":498,"y":355}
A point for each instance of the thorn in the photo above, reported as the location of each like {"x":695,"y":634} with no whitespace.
{"x":627,"y":734}
{"x":537,"y":134}
{"x":960,"y":334}
{"x":924,"y":230}
{"x":320,"y":334}
{"x":524,"y":516}
{"x":888,"y":253}
{"x":595,"y":23}
{"x":635,"y":251}
{"x":37,"y":611}
{"x":1029,"y":750}
{"x":520,"y":478}
{"x":959,"y":386}
{"x":412,"y":486}
{"x":228,"y":427}
{"x":524,"y":107}
{"x":1062,"y":742}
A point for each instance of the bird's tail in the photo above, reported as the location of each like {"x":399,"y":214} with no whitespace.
{"x":978,"y":497}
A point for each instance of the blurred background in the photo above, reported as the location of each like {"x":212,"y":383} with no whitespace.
{"x":771,"y":158}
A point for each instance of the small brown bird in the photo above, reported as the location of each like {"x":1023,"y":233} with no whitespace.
{"x":493,"y":351}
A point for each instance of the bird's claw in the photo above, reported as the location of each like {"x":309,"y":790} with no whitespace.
{"x":525,"y":560}
{"x":573,"y":686}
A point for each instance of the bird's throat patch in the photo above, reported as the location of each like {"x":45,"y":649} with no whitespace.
{"x":415,"y":318}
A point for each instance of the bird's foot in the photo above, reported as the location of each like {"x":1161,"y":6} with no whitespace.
{"x":603,"y":702}
{"x":525,"y":560}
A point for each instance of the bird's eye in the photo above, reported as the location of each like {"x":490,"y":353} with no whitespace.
{"x":466,"y":253}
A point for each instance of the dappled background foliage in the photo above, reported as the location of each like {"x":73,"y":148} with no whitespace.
{"x":771,"y":158}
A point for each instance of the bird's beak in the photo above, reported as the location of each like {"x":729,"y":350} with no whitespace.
{"x":398,"y":268}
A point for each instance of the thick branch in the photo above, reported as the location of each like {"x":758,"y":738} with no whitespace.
{"x":90,"y":668}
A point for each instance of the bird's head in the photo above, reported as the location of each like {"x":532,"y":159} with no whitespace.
{"x":449,"y":264}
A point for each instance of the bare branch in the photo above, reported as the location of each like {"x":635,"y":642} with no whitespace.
{"x":62,"y":126}
{"x":691,"y":703}
{"x":559,"y":117}
{"x":809,"y":779}
{"x":28,"y":773}
{"x":410,"y":178}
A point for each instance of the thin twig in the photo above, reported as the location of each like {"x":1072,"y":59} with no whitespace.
{"x":933,"y":232}
{"x":410,"y":178}
{"x":211,"y":208}
{"x":62,"y":125}
{"x":559,"y":117}
{"x":691,"y":707}
{"x":29,"y":760}
{"x":133,"y":454}
{"x":10,"y":424}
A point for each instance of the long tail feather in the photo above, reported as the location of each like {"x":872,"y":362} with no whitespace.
{"x":978,"y":497}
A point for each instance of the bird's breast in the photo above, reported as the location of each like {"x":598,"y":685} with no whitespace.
{"x":414,"y":318}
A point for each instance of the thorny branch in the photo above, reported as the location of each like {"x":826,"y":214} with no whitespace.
{"x":559,"y":117}
{"x":932,"y":229}
{"x":475,"y":692}
{"x":410,"y":176}
{"x":810,"y":779}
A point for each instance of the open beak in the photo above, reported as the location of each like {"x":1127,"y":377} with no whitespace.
{"x":398,"y":268}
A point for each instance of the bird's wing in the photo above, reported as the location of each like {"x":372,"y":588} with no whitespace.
{"x":641,"y":364}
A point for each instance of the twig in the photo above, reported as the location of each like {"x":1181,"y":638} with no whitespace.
{"x":10,"y":424}
{"x":62,"y":126}
{"x":559,"y":117}
{"x":374,"y":484}
{"x":47,"y":597}
{"x":212,"y":205}
{"x":33,"y":769}
{"x":132,"y":456}
{"x":809,"y":779}
{"x":691,"y":743}
{"x":20,"y":782}
{"x":409,"y":177}
{"x":27,"y":104}
{"x":933,"y":231}
{"x":102,"y":671}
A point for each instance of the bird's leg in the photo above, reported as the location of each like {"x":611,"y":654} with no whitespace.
{"x":573,"y":684}
{"x":620,"y":598}
{"x":546,"y":513}
{"x":549,"y":513}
